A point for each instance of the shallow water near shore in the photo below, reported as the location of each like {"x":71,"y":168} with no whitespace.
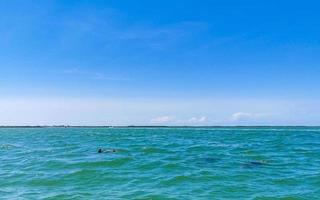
{"x":160,"y":163}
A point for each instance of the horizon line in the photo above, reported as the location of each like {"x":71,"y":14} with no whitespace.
{"x":155,"y":126}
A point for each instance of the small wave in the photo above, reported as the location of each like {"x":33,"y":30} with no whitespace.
{"x":149,"y":165}
{"x":176,"y":180}
{"x":154,"y":150}
{"x":46,"y":182}
{"x":117,"y":162}
{"x":7,"y":146}
{"x":83,"y":173}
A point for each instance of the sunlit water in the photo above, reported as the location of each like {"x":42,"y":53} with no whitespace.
{"x":160,"y":163}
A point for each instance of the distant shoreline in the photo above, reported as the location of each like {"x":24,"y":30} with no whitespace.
{"x":65,"y":126}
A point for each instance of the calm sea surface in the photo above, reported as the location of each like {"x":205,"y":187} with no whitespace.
{"x":160,"y":163}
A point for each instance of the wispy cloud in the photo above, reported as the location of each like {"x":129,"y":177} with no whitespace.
{"x":176,"y":30}
{"x":102,"y":76}
{"x":197,"y":119}
{"x":162,"y":119}
{"x":178,"y":121}
{"x":89,"y":74}
{"x":110,"y":26}
{"x":244,"y":116}
{"x":160,"y":37}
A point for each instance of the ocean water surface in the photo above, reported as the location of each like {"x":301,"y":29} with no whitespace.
{"x":160,"y":163}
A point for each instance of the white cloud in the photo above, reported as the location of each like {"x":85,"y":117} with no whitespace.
{"x":162,"y":119}
{"x":244,"y":116}
{"x":178,"y":121}
{"x":202,"y":119}
{"x":197,"y":119}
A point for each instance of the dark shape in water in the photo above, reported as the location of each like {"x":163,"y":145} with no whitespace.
{"x":108,"y":151}
{"x":211,"y":160}
{"x":257,"y":163}
{"x":254,"y":164}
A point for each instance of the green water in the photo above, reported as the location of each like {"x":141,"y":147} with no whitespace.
{"x":160,"y":163}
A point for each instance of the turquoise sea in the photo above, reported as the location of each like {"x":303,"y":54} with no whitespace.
{"x":160,"y":163}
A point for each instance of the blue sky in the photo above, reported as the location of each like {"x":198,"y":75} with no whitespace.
{"x":159,"y":62}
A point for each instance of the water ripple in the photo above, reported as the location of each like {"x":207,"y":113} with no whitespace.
{"x":160,"y":163}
